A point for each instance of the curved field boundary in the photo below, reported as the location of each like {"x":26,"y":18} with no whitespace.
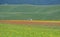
{"x":30,"y":22}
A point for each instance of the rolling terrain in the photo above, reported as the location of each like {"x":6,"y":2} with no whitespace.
{"x":26,"y":12}
{"x":29,"y":20}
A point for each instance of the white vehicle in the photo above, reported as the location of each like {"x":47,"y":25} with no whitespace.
{"x":30,"y":19}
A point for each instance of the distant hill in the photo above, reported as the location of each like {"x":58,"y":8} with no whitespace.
{"x":34,"y":2}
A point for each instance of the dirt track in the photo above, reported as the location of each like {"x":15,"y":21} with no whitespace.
{"x":29,"y":22}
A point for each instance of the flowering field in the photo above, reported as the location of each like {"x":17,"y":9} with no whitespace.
{"x":24,"y":30}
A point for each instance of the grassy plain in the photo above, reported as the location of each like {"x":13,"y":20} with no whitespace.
{"x":23,"y":30}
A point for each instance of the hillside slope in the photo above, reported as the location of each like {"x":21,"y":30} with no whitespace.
{"x":26,"y":12}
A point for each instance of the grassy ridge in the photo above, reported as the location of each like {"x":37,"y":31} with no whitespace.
{"x":23,"y":12}
{"x":7,"y":30}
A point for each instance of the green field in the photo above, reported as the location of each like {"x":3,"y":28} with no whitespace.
{"x":24,"y":12}
{"x":9,"y":30}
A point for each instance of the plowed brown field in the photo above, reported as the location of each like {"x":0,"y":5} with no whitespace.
{"x":30,"y":22}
